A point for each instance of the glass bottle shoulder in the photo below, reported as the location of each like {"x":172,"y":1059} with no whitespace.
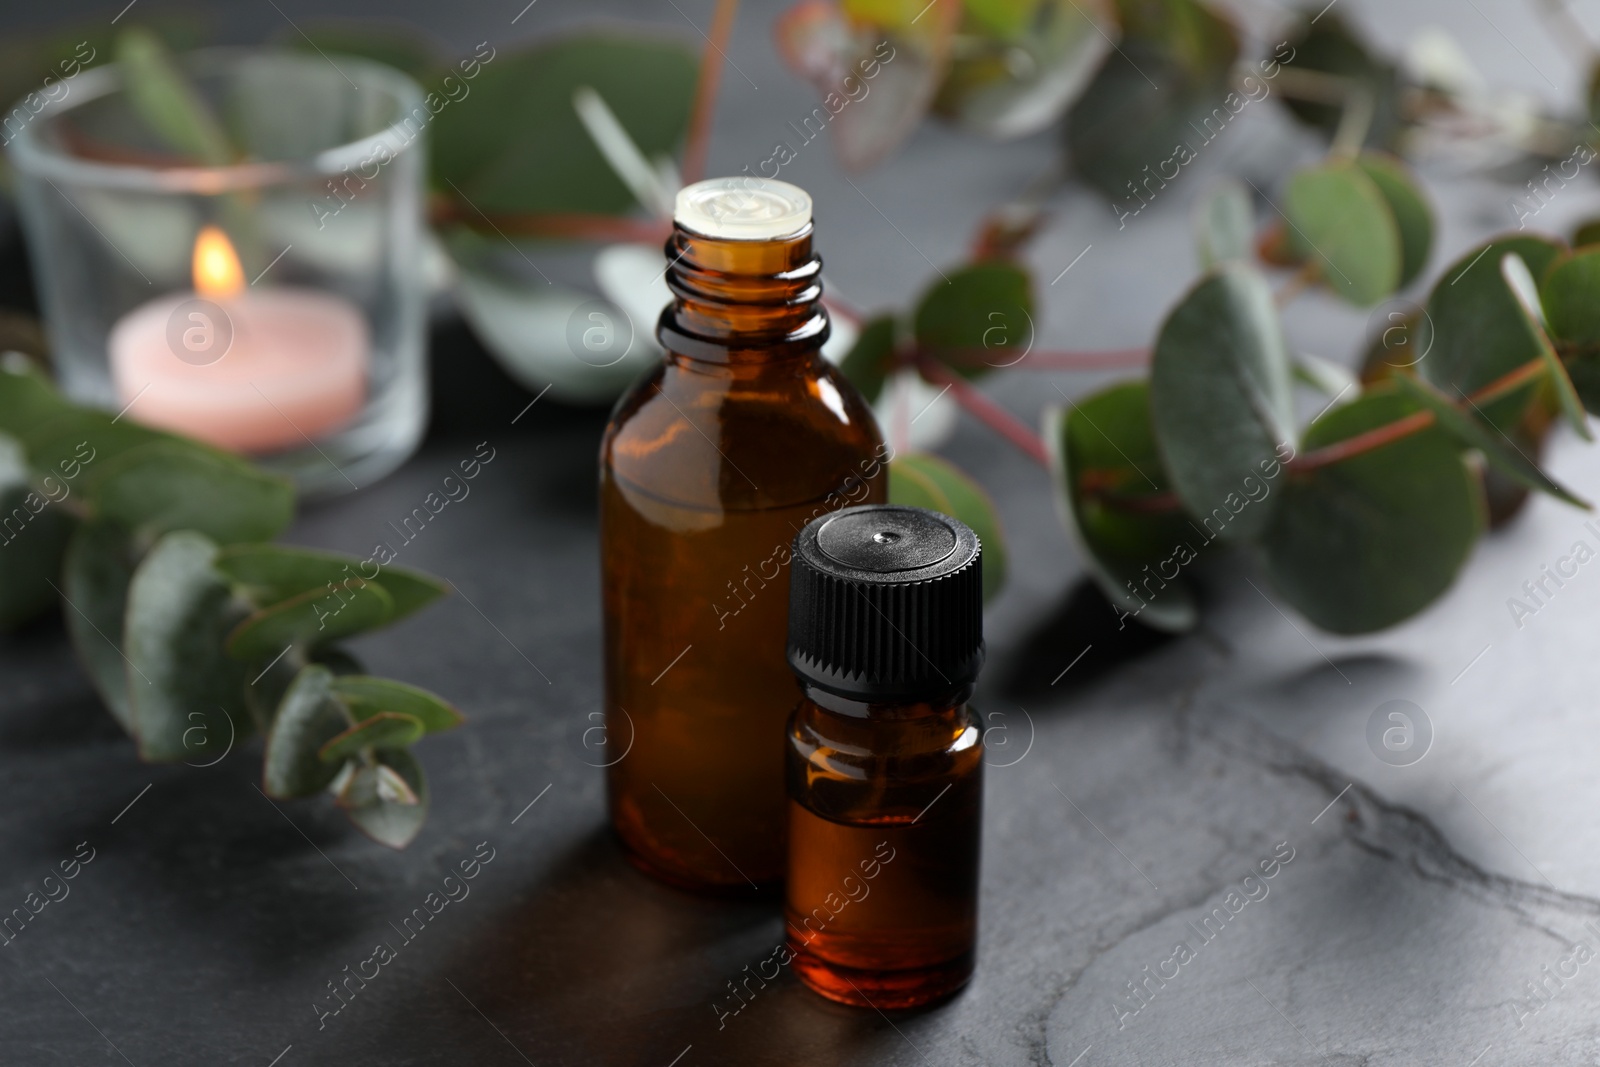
{"x":743,"y":435}
{"x":886,"y":731}
{"x":887,"y":758}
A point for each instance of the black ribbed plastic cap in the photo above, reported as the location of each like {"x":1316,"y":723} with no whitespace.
{"x":886,"y":604}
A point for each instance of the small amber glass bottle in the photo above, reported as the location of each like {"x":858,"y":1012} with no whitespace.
{"x":709,"y":466}
{"x":885,"y":758}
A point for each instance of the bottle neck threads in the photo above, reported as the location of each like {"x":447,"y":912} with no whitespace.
{"x":742,"y":300}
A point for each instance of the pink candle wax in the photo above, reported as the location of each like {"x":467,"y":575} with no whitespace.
{"x":294,"y":369}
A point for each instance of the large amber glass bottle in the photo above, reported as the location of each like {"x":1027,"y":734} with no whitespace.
{"x":710,"y":466}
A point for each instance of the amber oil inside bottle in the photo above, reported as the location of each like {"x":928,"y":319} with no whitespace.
{"x":885,"y":812}
{"x":710,"y":465}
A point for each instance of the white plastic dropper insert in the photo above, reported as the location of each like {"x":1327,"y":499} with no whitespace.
{"x":742,"y":208}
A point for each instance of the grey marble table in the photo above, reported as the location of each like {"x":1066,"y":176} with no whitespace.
{"x":1140,"y":789}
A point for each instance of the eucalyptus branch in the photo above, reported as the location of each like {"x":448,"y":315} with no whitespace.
{"x":569,"y":225}
{"x":1361,"y":443}
{"x":983,"y":409}
{"x":1379,"y":436}
{"x":1356,"y":101}
{"x":164,"y":556}
{"x":1355,"y":121}
{"x":1509,"y":383}
{"x":1313,"y":86}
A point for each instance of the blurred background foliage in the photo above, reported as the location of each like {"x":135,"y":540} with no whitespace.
{"x":580,"y":140}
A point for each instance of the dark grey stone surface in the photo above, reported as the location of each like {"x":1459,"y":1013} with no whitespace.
{"x":210,"y":921}
{"x":1127,"y":796}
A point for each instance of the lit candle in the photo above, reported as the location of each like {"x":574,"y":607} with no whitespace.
{"x":247,"y":370}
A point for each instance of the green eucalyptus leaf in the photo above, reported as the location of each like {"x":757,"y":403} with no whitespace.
{"x":1220,"y":397}
{"x":270,"y":680}
{"x":1369,"y":541}
{"x":81,"y":442}
{"x":978,"y":318}
{"x":169,"y":485}
{"x":1474,"y":331}
{"x":1500,"y":451}
{"x":1110,"y":484}
{"x":95,"y":575}
{"x":308,"y":718}
{"x":1338,"y":216}
{"x":1412,"y":215}
{"x":867,"y":363}
{"x":34,"y":530}
{"x":1571,"y":298}
{"x":366,"y":696}
{"x":925,"y":481}
{"x":385,"y":729}
{"x":28,"y":402}
{"x":186,"y":695}
{"x":1520,"y":281}
{"x":1168,"y":84}
{"x":384,"y":811}
{"x":163,"y":98}
{"x":270,"y":574}
{"x":409,"y":590}
{"x":370,"y":785}
{"x":1224,"y":224}
{"x":312,"y":618}
{"x":550,"y":163}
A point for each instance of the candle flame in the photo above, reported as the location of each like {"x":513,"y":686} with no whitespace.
{"x":216,"y":266}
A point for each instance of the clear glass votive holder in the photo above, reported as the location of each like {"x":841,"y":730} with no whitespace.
{"x":273,"y":306}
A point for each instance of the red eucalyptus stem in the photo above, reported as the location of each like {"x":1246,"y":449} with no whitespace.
{"x":1416,"y":422}
{"x":1376,"y":437}
{"x":572,"y":225}
{"x":984,"y":410}
{"x":1509,"y":382}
